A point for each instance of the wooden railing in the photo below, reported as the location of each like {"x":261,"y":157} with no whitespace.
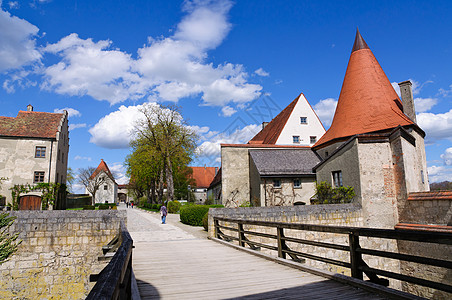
{"x":356,"y":263}
{"x":115,"y":280}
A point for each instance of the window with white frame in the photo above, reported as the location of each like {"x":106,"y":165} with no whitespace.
{"x":296,"y":139}
{"x":337,"y":178}
{"x":303,"y":120}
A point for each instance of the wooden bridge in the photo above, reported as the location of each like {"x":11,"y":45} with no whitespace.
{"x":175,"y":261}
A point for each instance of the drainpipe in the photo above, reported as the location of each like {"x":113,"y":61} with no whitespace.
{"x":50,"y":161}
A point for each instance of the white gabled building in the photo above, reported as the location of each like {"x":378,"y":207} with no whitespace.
{"x":108,"y":190}
{"x":258,"y":172}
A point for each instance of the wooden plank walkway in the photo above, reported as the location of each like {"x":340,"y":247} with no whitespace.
{"x":170,"y":263}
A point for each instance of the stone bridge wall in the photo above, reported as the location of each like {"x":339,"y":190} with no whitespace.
{"x":350,"y":215}
{"x":59,"y":251}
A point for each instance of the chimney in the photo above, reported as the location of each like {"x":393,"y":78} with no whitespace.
{"x":264,"y":124}
{"x":29,"y":107}
{"x":407,"y":99}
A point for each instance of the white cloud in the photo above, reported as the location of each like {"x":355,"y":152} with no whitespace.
{"x":325,"y":110}
{"x":119,"y":172}
{"x":261,"y":72}
{"x":424,"y":104}
{"x":436,"y":126}
{"x":211,"y":148}
{"x":71,"y":111}
{"x":446,"y":93}
{"x":13,"y":4}
{"x":78,"y":157}
{"x":17,"y":43}
{"x":447,"y":157}
{"x":228,"y":111}
{"x":78,"y":125}
{"x":166,"y":69}
{"x":439,"y":173}
{"x":114,"y":130}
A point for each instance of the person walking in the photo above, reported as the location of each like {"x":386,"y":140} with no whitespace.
{"x":163,"y":213}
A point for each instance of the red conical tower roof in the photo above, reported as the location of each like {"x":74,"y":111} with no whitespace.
{"x":367,"y":102}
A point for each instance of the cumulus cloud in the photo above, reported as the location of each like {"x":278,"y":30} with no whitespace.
{"x":436,"y":126}
{"x":262,"y":73}
{"x":78,"y":125}
{"x":211,"y":147}
{"x":439,"y":173}
{"x":166,"y":69}
{"x":447,"y":157}
{"x":114,"y":130}
{"x":424,"y":104}
{"x":228,"y":111}
{"x":17,"y":44}
{"x":70,"y":111}
{"x":325,"y":110}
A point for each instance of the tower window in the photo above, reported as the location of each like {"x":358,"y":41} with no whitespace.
{"x":313,"y":139}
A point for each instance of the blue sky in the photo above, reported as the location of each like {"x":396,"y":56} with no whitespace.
{"x":229,"y":65}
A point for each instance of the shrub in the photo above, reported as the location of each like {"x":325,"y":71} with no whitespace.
{"x":174,"y":206}
{"x":325,"y":194}
{"x":104,"y":206}
{"x":209,"y":200}
{"x":89,"y":207}
{"x":216,"y":205}
{"x":205,"y":221}
{"x":142,"y":201}
{"x":193,"y":214}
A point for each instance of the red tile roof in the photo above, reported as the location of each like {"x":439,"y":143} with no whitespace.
{"x":434,"y":195}
{"x":203,"y":176}
{"x":271,"y":132}
{"x":367,"y":102}
{"x":31,"y":124}
{"x":102,"y":167}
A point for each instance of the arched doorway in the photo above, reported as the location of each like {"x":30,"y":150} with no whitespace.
{"x":30,"y":202}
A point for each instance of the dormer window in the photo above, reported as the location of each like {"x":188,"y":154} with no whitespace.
{"x":303,"y":120}
{"x":296,"y":139}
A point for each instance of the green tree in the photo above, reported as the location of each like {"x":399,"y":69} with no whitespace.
{"x":164,"y":133}
{"x":8,"y":242}
{"x":70,"y":178}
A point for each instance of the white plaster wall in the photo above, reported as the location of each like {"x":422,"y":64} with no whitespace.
{"x":293,"y":126}
{"x":18,"y":162}
{"x":414,"y":163}
{"x":110,"y":195}
{"x":235,"y":180}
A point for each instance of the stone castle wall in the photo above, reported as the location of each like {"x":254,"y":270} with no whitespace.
{"x":59,"y":251}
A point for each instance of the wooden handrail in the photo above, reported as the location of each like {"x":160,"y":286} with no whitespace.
{"x":357,"y":265}
{"x":114,"y":281}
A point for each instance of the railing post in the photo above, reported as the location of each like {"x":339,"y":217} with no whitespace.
{"x":241,"y":234}
{"x":217,"y":233}
{"x":355,"y":257}
{"x":281,"y":242}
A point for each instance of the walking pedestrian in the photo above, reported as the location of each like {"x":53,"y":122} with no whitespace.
{"x":127,"y":204}
{"x":163,"y":213}
{"x":131,"y":204}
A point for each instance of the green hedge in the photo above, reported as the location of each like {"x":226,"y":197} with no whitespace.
{"x":193,"y":214}
{"x":174,"y":207}
{"x":89,"y":207}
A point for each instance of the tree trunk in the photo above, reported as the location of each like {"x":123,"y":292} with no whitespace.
{"x":169,"y":179}
{"x":153,"y":184}
{"x":160,"y":191}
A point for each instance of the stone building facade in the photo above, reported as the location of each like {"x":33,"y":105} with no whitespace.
{"x":34,"y":148}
